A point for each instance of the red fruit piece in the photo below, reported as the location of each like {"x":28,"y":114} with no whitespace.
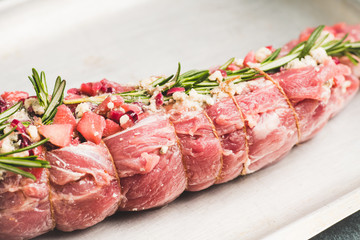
{"x":15,"y":96}
{"x":271,"y":48}
{"x":250,"y":58}
{"x":159,"y":99}
{"x":58,"y":134}
{"x":175,"y":89}
{"x":92,"y":126}
{"x":233,"y":67}
{"x":115,"y":115}
{"x":108,"y":104}
{"x":19,"y":126}
{"x":36,"y":151}
{"x":132,"y":107}
{"x":91,"y":88}
{"x":336,"y":60}
{"x":113,"y":87}
{"x":64,"y":116}
{"x":74,"y":91}
{"x":111,"y":128}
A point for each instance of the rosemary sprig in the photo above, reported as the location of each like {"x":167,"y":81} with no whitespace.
{"x":12,"y":164}
{"x":4,"y":116}
{"x":50,"y":103}
{"x":199,"y":79}
{"x":40,"y":87}
{"x":56,"y":100}
{"x":311,"y":41}
{"x":32,"y":146}
{"x":29,"y":162}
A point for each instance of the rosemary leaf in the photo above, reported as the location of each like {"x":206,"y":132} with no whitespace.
{"x":56,"y":100}
{"x":25,"y":163}
{"x":277,"y":63}
{"x":7,"y":134}
{"x":164,"y":81}
{"x":311,"y":41}
{"x":17,"y":171}
{"x":7,"y":113}
{"x":26,"y":148}
{"x":297,"y":48}
{"x":225,"y":65}
{"x":273,"y":56}
{"x":177,"y":74}
{"x":351,"y":58}
{"x":39,"y":83}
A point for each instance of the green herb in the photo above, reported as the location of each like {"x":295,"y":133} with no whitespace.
{"x":40,"y":87}
{"x":4,"y":116}
{"x":199,"y":79}
{"x":311,"y":41}
{"x":50,"y":103}
{"x":12,"y":164}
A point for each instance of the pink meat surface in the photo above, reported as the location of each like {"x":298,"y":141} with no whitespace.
{"x":200,"y":147}
{"x":24,"y":206}
{"x":84,"y":185}
{"x":149,"y":162}
{"x":271,"y":124}
{"x":229,"y":126}
{"x":326,"y":90}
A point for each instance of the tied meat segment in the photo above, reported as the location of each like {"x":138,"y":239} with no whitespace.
{"x":200,"y":147}
{"x":84,"y":186}
{"x":168,"y":152}
{"x":271,"y":127}
{"x":149,"y":163}
{"x":24,"y":206}
{"x":230,"y":129}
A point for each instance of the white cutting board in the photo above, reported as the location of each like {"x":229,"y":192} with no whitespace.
{"x":313,"y":187}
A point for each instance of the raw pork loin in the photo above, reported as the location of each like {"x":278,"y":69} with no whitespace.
{"x":153,"y":161}
{"x":84,"y":185}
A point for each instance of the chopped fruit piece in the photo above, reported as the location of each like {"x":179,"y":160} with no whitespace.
{"x":336,"y":60}
{"x":132,"y":107}
{"x":92,"y":126}
{"x":24,"y":140}
{"x":175,"y":89}
{"x":111,"y":128}
{"x":91,"y":88}
{"x":64,"y":116}
{"x":108,"y":104}
{"x":36,"y":151}
{"x":3,"y":105}
{"x":132,"y":115}
{"x":223,"y":73}
{"x":19,"y":126}
{"x":271,"y":48}
{"x":58,"y":134}
{"x":159,"y":99}
{"x":128,"y":119}
{"x":74,"y":91}
{"x":213,"y":70}
{"x":15,"y":96}
{"x":113,"y":87}
{"x":233,"y":67}
{"x":115,"y":115}
{"x":250,"y":58}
